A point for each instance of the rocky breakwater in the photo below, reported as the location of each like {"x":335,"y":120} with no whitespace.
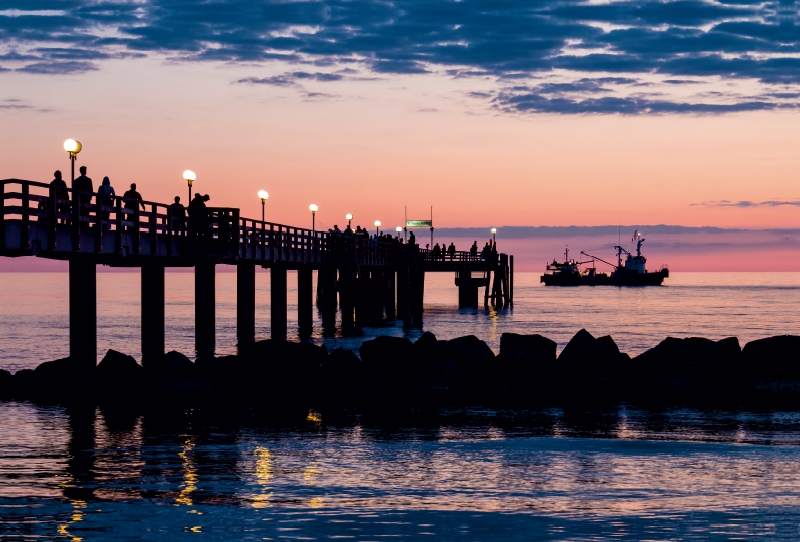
{"x":394,"y":371}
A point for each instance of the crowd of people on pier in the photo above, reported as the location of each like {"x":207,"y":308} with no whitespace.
{"x":194,"y":220}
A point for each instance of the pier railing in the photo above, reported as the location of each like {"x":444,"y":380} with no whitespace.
{"x":37,"y":218}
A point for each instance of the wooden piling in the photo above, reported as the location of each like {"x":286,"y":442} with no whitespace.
{"x":245,"y":303}
{"x":277,"y":279}
{"x":83,"y":311}
{"x":153,"y":325}
{"x":205,"y":308}
{"x":305,"y":305}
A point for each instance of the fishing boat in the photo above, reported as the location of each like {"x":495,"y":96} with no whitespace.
{"x":631,"y":272}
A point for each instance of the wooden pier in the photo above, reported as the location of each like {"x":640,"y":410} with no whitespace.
{"x":368,"y":279}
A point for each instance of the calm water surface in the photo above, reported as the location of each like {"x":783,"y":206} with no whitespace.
{"x":86,"y":474}
{"x":34,"y":313}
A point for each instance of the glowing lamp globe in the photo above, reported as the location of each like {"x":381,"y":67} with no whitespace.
{"x":399,"y":229}
{"x":348,"y":216}
{"x":263,"y":195}
{"x":494,"y":230}
{"x":313,"y":208}
{"x":72,"y":146}
{"x":189,"y":175}
{"x":377,"y":223}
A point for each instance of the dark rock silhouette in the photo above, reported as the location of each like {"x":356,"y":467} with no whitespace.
{"x":773,"y":358}
{"x":687,"y":367}
{"x":586,"y":367}
{"x":6,"y":382}
{"x":118,"y":372}
{"x":388,"y":361}
{"x":392,"y":372}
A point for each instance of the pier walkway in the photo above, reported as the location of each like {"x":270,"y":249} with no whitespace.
{"x":369,"y":279}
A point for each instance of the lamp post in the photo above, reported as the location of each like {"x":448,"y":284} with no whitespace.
{"x":263,"y":195}
{"x":189,"y":176}
{"x":494,"y":236}
{"x":73,"y":147}
{"x":377,"y":224}
{"x":349,"y":218}
{"x":398,"y":229}
{"x":313,"y":208}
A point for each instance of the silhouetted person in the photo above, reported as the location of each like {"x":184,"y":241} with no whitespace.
{"x":130,"y":199}
{"x":59,"y":197}
{"x":104,"y":193}
{"x":178,"y":216}
{"x":197,"y":216}
{"x":437,"y":252}
{"x":452,"y":251}
{"x":412,"y":240}
{"x":83,"y":187}
{"x":473,"y":250}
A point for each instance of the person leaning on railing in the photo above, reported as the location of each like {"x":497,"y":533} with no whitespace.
{"x":131,"y":198}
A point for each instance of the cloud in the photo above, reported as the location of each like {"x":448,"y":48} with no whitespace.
{"x":59,"y":68}
{"x":745,"y":204}
{"x":681,"y":42}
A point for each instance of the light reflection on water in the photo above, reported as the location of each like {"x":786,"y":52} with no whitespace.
{"x":34,"y":312}
{"x":552,"y":474}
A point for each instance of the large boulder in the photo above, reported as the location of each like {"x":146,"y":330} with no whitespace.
{"x":773,"y":358}
{"x":693,"y":365}
{"x":525,"y":358}
{"x":585,"y":357}
{"x":63,"y":378}
{"x":118,"y":371}
{"x":466,"y":362}
{"x":283,"y":367}
{"x":388,"y":360}
{"x":23,"y":384}
{"x":342,"y":376}
{"x":6,"y":380}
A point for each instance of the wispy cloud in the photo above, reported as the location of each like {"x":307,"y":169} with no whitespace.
{"x":745,"y":204}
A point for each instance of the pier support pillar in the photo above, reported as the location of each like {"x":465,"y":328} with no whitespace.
{"x":204,"y":309}
{"x":277,"y":280}
{"x":83,"y":311}
{"x":245,"y":303}
{"x":152,"y":313}
{"x":305,"y":304}
{"x":467,"y":294}
{"x":388,"y":294}
{"x":326,"y":279}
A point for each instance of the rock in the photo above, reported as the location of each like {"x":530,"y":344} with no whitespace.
{"x":119,"y":370}
{"x":285,"y":368}
{"x":6,"y":380}
{"x":610,"y":345}
{"x":388,"y":361}
{"x":65,"y":377}
{"x":525,"y":357}
{"x":466,"y":361}
{"x":773,"y":358}
{"x":23,"y":383}
{"x":695,"y":366}
{"x":586,"y":357}
{"x":177,"y":363}
{"x":343,"y":376}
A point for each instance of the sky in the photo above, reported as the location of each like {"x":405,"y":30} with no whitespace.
{"x":495,"y":113}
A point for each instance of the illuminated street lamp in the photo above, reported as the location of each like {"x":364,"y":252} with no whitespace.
{"x":263,"y":195}
{"x":349,"y":218}
{"x":189,"y":176}
{"x":398,"y":229}
{"x":73,"y":147}
{"x":377,"y":227}
{"x":313,"y":208}
{"x":494,"y":236}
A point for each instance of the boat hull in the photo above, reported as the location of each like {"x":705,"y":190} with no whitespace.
{"x":618,"y":278}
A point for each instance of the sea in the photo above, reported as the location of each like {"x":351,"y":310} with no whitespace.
{"x":611,"y":473}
